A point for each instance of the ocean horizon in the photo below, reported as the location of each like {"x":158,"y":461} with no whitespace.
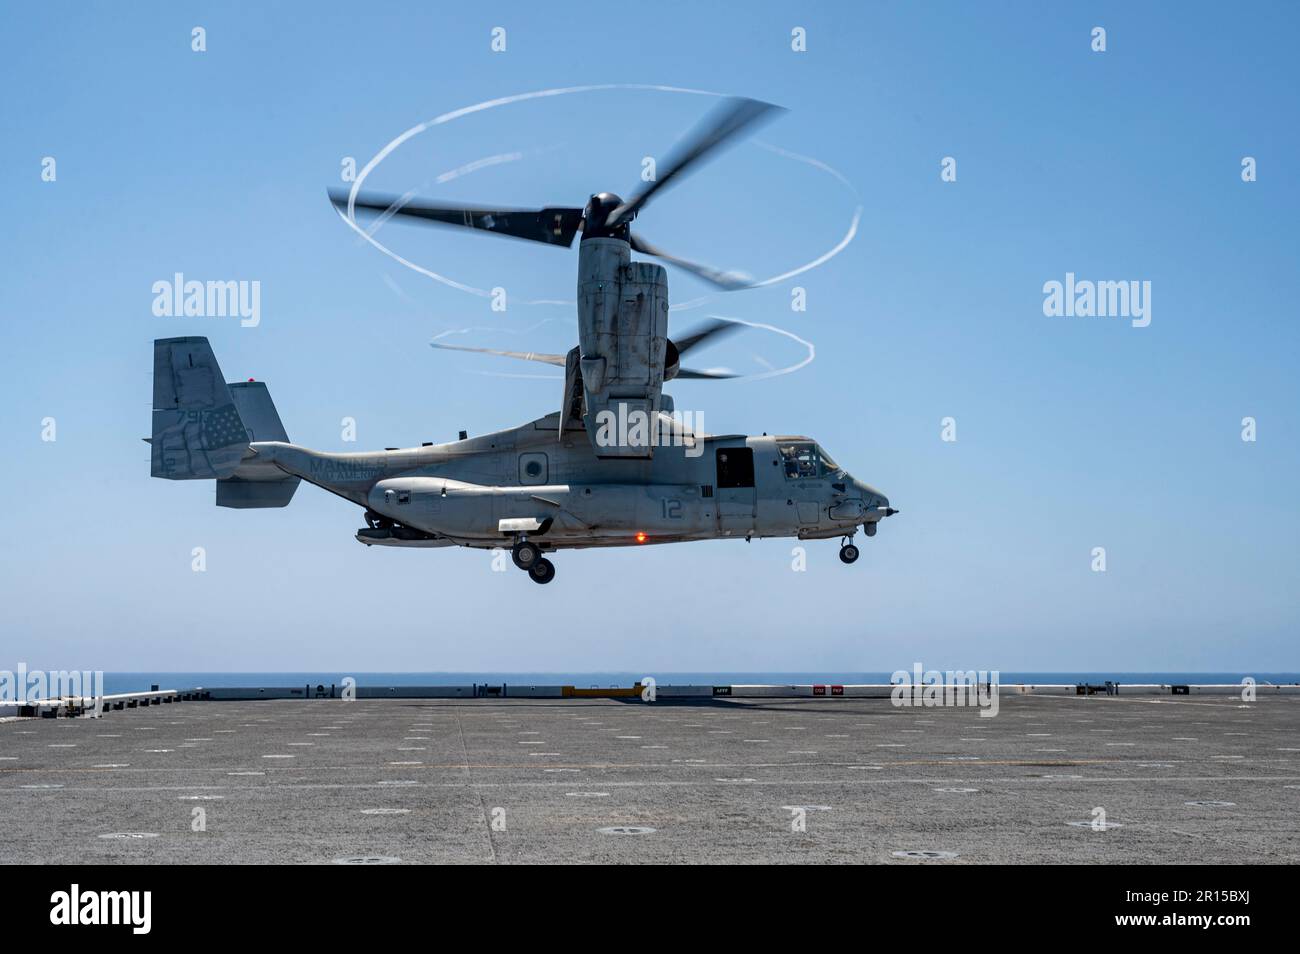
{"x":138,"y":681}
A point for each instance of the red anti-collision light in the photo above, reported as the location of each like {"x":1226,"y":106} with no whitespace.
{"x":640,"y":537}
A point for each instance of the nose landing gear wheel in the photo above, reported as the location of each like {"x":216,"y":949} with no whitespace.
{"x":525,"y":554}
{"x":848,"y":553}
{"x":542,"y":570}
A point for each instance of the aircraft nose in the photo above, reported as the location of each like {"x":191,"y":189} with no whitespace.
{"x":874,"y":500}
{"x":871,"y":496}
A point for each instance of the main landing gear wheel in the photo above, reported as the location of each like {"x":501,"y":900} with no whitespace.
{"x":525,"y":554}
{"x":542,"y":571}
{"x":848,"y":553}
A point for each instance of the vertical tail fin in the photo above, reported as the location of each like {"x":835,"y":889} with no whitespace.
{"x":197,"y":430}
{"x":257,"y":411}
{"x":252,"y":486}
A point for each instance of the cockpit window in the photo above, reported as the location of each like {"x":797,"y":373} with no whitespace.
{"x":828,"y":466}
{"x":800,"y":461}
{"x":806,"y":461}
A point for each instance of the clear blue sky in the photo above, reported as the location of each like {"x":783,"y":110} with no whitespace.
{"x":1072,"y":433}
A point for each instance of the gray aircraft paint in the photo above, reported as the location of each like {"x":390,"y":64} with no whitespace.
{"x":459,"y":493}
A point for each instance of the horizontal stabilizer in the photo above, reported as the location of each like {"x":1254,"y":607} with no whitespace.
{"x":252,"y":494}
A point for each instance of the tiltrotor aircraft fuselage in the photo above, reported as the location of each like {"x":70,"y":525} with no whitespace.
{"x":612,"y":467}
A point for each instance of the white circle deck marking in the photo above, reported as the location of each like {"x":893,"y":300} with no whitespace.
{"x":956,"y":791}
{"x":385,"y":811}
{"x":586,"y":794}
{"x":368,"y":860}
{"x":245,"y":773}
{"x":129,"y":835}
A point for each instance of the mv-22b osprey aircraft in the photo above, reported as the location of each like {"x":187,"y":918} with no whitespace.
{"x":613,"y":467}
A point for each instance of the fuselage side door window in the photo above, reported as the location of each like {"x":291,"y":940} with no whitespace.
{"x":734,"y":496}
{"x":735,"y":467}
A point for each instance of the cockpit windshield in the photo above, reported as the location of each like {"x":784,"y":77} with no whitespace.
{"x":804,"y":460}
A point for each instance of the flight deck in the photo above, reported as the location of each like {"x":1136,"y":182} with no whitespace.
{"x":1051,"y":778}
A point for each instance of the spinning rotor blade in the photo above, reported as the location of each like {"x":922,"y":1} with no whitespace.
{"x":734,"y":116}
{"x":704,"y":333}
{"x":727,"y":281}
{"x":679,"y":346}
{"x":687,"y":373}
{"x":554,"y":359}
{"x":676,"y":349}
{"x":551,"y":226}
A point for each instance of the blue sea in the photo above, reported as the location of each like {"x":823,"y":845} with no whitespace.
{"x":138,"y":681}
